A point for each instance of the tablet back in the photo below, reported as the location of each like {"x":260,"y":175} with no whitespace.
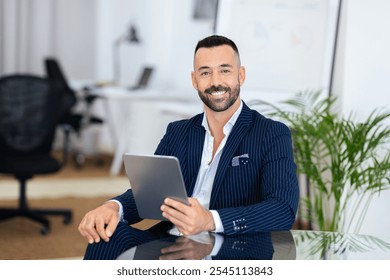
{"x":152,"y":179}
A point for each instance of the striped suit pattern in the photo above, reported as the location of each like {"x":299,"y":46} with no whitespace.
{"x":255,"y":187}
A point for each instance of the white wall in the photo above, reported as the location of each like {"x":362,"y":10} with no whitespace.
{"x":74,"y":37}
{"x":363,"y":80}
{"x":367,"y":57}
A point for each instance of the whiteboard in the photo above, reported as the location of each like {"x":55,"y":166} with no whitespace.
{"x":286,"y":46}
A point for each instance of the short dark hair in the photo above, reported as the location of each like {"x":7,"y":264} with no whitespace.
{"x":215,"y":41}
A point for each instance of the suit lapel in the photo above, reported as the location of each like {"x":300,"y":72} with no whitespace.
{"x":195,"y":148}
{"x":239,"y":131}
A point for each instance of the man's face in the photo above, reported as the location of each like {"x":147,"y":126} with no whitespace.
{"x":218,"y":77}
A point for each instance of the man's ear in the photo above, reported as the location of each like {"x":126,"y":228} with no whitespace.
{"x":194,"y":84}
{"x":241,"y":75}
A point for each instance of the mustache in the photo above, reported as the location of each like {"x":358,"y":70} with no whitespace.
{"x":216,"y":88}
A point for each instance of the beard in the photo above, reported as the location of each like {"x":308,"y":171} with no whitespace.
{"x":219,"y":104}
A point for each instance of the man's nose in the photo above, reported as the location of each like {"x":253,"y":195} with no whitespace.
{"x":216,"y":79}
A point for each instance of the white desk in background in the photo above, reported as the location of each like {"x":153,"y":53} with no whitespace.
{"x":138,"y":119}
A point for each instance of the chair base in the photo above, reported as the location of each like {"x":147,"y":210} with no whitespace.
{"x":37,"y":215}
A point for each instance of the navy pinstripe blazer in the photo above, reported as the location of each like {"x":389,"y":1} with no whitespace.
{"x":255,"y":187}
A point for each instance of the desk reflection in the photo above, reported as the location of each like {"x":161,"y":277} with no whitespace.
{"x":261,"y":246}
{"x":280,"y":245}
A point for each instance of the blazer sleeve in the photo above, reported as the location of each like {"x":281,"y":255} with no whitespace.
{"x":277,"y":179}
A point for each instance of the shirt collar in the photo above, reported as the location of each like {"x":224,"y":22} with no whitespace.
{"x":229,"y":125}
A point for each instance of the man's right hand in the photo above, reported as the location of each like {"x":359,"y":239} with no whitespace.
{"x":100,"y":223}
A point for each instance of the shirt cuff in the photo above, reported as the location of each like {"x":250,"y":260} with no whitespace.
{"x":120,"y":212}
{"x":217,"y":222}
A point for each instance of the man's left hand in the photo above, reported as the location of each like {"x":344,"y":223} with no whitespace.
{"x":189,"y":220}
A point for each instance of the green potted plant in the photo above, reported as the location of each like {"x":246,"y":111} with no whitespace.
{"x":345,"y":163}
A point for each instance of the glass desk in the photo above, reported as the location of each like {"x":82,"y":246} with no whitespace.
{"x":283,"y":245}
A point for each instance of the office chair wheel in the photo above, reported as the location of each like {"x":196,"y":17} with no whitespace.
{"x":45,"y":230}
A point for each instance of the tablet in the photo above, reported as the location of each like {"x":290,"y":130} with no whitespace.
{"x":152,"y":179}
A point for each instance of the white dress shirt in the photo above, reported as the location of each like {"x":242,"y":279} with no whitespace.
{"x":209,"y":165}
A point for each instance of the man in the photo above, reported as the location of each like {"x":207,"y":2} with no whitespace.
{"x":237,"y":165}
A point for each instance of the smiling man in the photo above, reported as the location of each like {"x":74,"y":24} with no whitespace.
{"x":237,"y":165}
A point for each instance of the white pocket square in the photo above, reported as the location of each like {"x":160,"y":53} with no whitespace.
{"x":243,"y":159}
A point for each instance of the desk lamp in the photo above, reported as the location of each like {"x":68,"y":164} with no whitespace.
{"x":131,"y":37}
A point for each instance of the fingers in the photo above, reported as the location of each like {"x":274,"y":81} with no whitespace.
{"x":99,"y":223}
{"x":181,"y":215}
{"x":111,"y":226}
{"x":175,"y":211}
{"x":183,"y":228}
{"x":185,"y":248}
{"x":175,"y":251}
{"x":179,"y":205}
{"x":189,"y":220}
{"x":87,"y":228}
{"x":173,"y":248}
{"x":176,"y":216}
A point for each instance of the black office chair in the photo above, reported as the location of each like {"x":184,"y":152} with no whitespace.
{"x":71,"y":122}
{"x":29,"y":111}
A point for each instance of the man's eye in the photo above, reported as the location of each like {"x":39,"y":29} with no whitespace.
{"x":225,"y":71}
{"x":205,"y":73}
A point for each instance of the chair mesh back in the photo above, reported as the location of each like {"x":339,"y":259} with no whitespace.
{"x":27,"y":115}
{"x":58,"y":80}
